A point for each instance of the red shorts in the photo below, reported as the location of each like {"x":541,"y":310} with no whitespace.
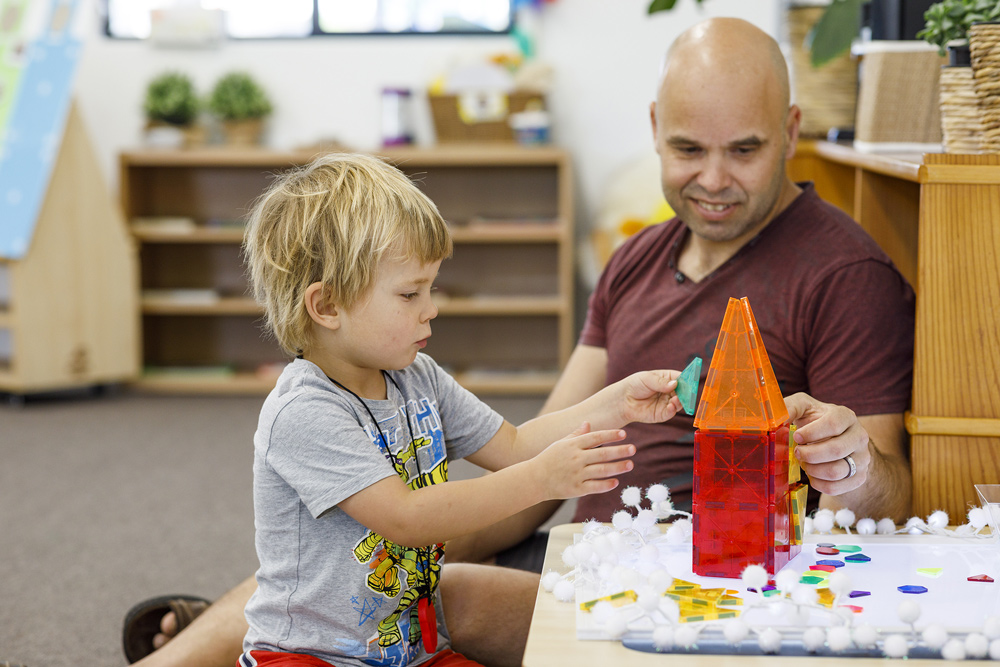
{"x":445,"y":658}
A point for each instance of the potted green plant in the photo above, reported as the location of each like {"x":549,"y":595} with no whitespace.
{"x":947,"y":26}
{"x":242,"y":105}
{"x":171,"y":106}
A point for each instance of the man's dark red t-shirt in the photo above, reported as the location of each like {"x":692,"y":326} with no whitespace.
{"x":835,"y":315}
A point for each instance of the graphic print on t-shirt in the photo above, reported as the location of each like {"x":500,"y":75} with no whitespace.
{"x":400,"y":573}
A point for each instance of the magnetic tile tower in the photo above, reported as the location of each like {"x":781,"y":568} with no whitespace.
{"x":748,"y":502}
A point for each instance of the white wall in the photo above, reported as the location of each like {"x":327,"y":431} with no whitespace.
{"x":605,"y":54}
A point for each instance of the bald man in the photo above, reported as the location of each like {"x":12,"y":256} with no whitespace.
{"x":835,"y":315}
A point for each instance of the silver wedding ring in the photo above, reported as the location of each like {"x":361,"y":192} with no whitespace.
{"x":854,"y":467}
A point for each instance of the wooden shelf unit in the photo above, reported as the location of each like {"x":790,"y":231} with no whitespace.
{"x":506,"y":324}
{"x":936,"y":216}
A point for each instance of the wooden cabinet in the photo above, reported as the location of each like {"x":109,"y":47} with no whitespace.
{"x":937,"y":216}
{"x":506,"y":296}
{"x":67,"y":307}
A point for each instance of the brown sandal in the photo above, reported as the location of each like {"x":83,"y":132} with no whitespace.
{"x":142,"y":622}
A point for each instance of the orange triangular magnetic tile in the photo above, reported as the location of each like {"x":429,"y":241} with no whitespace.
{"x":741,"y":392}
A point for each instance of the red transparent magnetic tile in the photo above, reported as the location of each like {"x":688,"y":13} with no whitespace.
{"x":857,"y":558}
{"x":859,"y":594}
{"x":827,"y":551}
{"x":854,"y":608}
{"x":912,"y":590}
{"x":823,"y":568}
{"x":982,"y":577}
{"x":835,"y":563}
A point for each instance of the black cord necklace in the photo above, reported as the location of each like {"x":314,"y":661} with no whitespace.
{"x":425,"y":605}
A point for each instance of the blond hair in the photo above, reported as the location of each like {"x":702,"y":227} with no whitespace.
{"x":332,"y":221}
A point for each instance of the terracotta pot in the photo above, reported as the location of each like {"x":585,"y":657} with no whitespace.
{"x":243,"y":132}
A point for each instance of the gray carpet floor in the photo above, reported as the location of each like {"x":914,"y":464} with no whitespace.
{"x":107,"y":500}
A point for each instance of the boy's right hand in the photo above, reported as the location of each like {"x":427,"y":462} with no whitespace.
{"x":580,"y":464}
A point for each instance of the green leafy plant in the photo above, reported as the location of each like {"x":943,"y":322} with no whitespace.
{"x":237,"y":96}
{"x":949,"y":21}
{"x":171,"y":98}
{"x":830,"y":37}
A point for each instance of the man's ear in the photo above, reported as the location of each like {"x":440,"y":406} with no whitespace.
{"x":652,"y":119}
{"x":321,"y":308}
{"x":792,"y":123}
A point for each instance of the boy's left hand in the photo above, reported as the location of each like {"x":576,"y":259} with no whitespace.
{"x":649,"y":397}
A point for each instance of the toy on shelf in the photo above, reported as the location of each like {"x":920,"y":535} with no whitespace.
{"x":748,"y":503}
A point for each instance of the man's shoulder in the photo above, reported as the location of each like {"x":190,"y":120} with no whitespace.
{"x":822,"y":232}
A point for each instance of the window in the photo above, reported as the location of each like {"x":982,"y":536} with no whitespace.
{"x":266,"y":19}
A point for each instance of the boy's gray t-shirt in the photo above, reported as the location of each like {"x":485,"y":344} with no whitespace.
{"x":327,"y":585}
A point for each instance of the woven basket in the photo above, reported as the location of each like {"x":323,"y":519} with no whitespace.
{"x":961,"y":124}
{"x":898,"y":101}
{"x":984,"y":45}
{"x":826,"y":95}
{"x":455,"y":124}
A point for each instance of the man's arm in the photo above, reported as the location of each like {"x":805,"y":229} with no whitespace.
{"x":887,"y":489}
{"x":583,"y":376}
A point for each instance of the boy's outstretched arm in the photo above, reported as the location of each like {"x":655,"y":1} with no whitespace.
{"x":581,"y":463}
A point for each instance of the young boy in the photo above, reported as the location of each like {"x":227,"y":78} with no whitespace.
{"x":352,"y":446}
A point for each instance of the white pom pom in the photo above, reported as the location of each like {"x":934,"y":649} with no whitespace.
{"x":676,"y":534}
{"x":786,"y":580}
{"x":549,"y":580}
{"x":895,"y":646}
{"x":976,"y":645}
{"x":823,"y":521}
{"x":602,"y":545}
{"x":645,"y":520}
{"x":838,"y":638}
{"x":649,"y":553}
{"x":648,"y":601}
{"x":754,"y":576}
{"x":885,"y":526}
{"x":631,"y":496}
{"x":769,"y":641}
{"x":813,"y":639}
{"x":618,"y":543}
{"x":805,"y":595}
{"x":615,"y":626}
{"x":664,"y":509}
{"x":685,"y":525}
{"x":935,"y":636}
{"x":978,"y":517}
{"x":865,"y":636}
{"x":954,"y":649}
{"x":628,"y":578}
{"x":663,"y":637}
{"x":845,"y":518}
{"x":584,"y":552}
{"x":839,"y":582}
{"x":605,"y":571}
{"x":657,"y":493}
{"x":807,"y":526}
{"x":564,"y":591}
{"x":991,"y":628}
{"x":866,"y":526}
{"x":602,"y":611}
{"x":670,"y":609}
{"x":735,"y":631}
{"x":660,"y":581}
{"x":908,"y":611}
{"x":592,"y":526}
{"x":995,"y":649}
{"x":686,"y":636}
{"x":569,"y":556}
{"x":913,"y":525}
{"x":621,"y":520}
{"x":938,"y":519}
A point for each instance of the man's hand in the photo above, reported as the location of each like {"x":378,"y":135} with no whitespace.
{"x":825,"y":434}
{"x":649,"y":397}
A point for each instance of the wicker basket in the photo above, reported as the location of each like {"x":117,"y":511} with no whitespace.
{"x":961,"y":124}
{"x":479,"y":117}
{"x":899,"y":98}
{"x":984,"y":45}
{"x":827,"y":95}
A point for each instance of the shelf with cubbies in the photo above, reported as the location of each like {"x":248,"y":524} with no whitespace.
{"x":505,"y":325}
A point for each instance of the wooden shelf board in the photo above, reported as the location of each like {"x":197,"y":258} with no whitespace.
{"x":905,"y":166}
{"x":200,"y":235}
{"x":223,"y":306}
{"x":507,"y":384}
{"x":508,"y":232}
